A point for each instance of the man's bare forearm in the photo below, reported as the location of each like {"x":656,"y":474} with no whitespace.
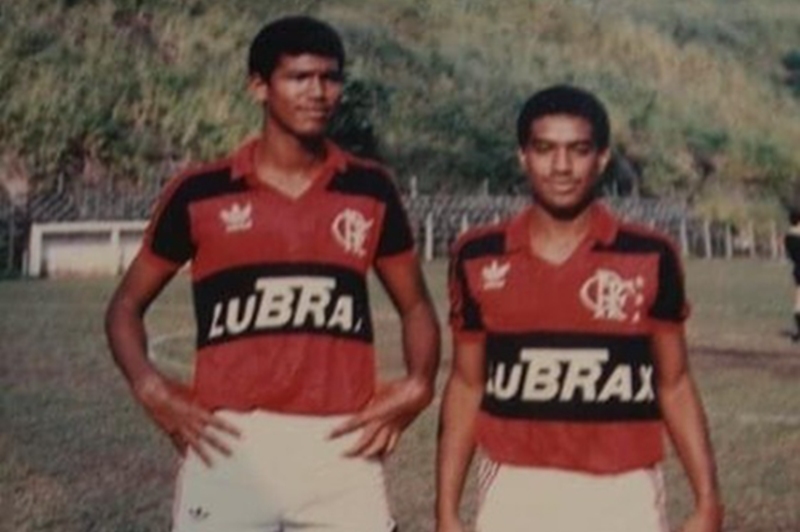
{"x":127,"y":340}
{"x":421,"y":341}
{"x":688,"y":429}
{"x":456,"y":446}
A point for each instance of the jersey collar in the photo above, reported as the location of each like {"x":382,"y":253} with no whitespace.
{"x":243,"y":159}
{"x":602,"y":229}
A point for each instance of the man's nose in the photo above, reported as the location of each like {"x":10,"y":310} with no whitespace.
{"x":317,"y":88}
{"x":562,"y":161}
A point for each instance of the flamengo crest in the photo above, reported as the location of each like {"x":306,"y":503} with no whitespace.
{"x":350,"y":229}
{"x":608,"y":296}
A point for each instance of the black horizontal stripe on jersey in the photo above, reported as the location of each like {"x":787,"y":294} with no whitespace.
{"x":287,"y":298}
{"x":556,"y":376}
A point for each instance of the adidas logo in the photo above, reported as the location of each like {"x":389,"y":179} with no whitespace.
{"x":198,"y":513}
{"x":494,"y":275}
{"x":237,"y":218}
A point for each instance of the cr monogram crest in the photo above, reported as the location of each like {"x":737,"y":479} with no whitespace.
{"x":350,"y":229}
{"x":608,"y":296}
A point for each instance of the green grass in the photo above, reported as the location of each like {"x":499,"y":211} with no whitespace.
{"x":79,"y":455}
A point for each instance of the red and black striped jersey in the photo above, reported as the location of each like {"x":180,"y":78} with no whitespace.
{"x":570,"y":378}
{"x":279,"y":284}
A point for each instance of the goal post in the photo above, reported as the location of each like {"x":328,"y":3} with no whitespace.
{"x":87,"y":248}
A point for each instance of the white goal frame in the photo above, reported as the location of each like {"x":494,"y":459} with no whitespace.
{"x":88,"y":248}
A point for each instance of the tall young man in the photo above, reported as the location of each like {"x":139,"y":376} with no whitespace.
{"x":570,"y":354}
{"x":284,"y":425}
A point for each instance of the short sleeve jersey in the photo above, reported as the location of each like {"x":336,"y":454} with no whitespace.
{"x":279,"y":284}
{"x":570,"y":379}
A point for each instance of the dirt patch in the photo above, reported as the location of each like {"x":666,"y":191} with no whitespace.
{"x":782,"y":365}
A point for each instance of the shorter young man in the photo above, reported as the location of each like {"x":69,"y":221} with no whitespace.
{"x":569,"y":352}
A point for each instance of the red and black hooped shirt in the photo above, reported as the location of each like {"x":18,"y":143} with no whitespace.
{"x":570,"y":379}
{"x":279,"y":284}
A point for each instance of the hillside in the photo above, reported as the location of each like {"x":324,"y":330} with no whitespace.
{"x":700,"y":95}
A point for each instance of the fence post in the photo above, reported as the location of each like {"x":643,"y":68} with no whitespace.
{"x":35,"y":251}
{"x":751,"y":237}
{"x":428,"y":253}
{"x":464,"y":224}
{"x":728,"y":240}
{"x":707,"y":239}
{"x":684,"y":236}
{"x":773,"y":240}
{"x":12,"y":237}
{"x":116,"y":248}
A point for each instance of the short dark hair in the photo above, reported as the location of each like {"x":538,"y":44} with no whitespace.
{"x":294,"y":35}
{"x":794,"y":215}
{"x":565,"y":100}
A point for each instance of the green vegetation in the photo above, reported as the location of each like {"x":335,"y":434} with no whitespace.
{"x":703,"y":93}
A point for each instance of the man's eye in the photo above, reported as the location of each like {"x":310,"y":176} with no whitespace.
{"x":582,"y":149}
{"x":541,"y":147}
{"x":335,"y":77}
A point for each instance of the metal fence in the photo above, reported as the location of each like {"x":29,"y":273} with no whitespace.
{"x":437,"y":220}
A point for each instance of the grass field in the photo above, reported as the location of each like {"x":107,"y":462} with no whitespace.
{"x":78,"y":455}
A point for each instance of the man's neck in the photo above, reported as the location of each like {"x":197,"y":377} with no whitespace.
{"x":554,"y":239}
{"x":287,"y":162}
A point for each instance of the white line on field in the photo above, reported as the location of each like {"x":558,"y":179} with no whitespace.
{"x":159,"y":339}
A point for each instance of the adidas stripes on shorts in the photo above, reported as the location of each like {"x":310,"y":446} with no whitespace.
{"x":284,"y":474}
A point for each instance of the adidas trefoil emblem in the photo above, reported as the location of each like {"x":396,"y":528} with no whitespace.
{"x":198,"y":513}
{"x":494,"y":275}
{"x":237,"y":217}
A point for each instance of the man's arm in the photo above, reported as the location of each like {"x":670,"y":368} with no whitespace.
{"x":185,"y":423}
{"x":460,"y":403}
{"x":397,"y":403}
{"x":686,"y":424}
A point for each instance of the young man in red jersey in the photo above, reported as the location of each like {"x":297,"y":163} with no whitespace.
{"x":284,"y":426}
{"x":570,"y":354}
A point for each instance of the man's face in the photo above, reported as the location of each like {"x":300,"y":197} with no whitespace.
{"x":562,"y":163}
{"x":301,"y":94}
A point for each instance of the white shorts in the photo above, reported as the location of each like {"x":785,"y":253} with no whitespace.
{"x":525,"y":499}
{"x":284,"y":474}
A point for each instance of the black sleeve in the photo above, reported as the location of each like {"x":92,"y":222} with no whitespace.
{"x":670,"y":303}
{"x":396,"y":236}
{"x":465,"y":314}
{"x":169,"y":232}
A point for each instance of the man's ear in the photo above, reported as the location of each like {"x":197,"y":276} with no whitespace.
{"x":521,"y":159}
{"x":258,"y":88}
{"x":604,"y":159}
